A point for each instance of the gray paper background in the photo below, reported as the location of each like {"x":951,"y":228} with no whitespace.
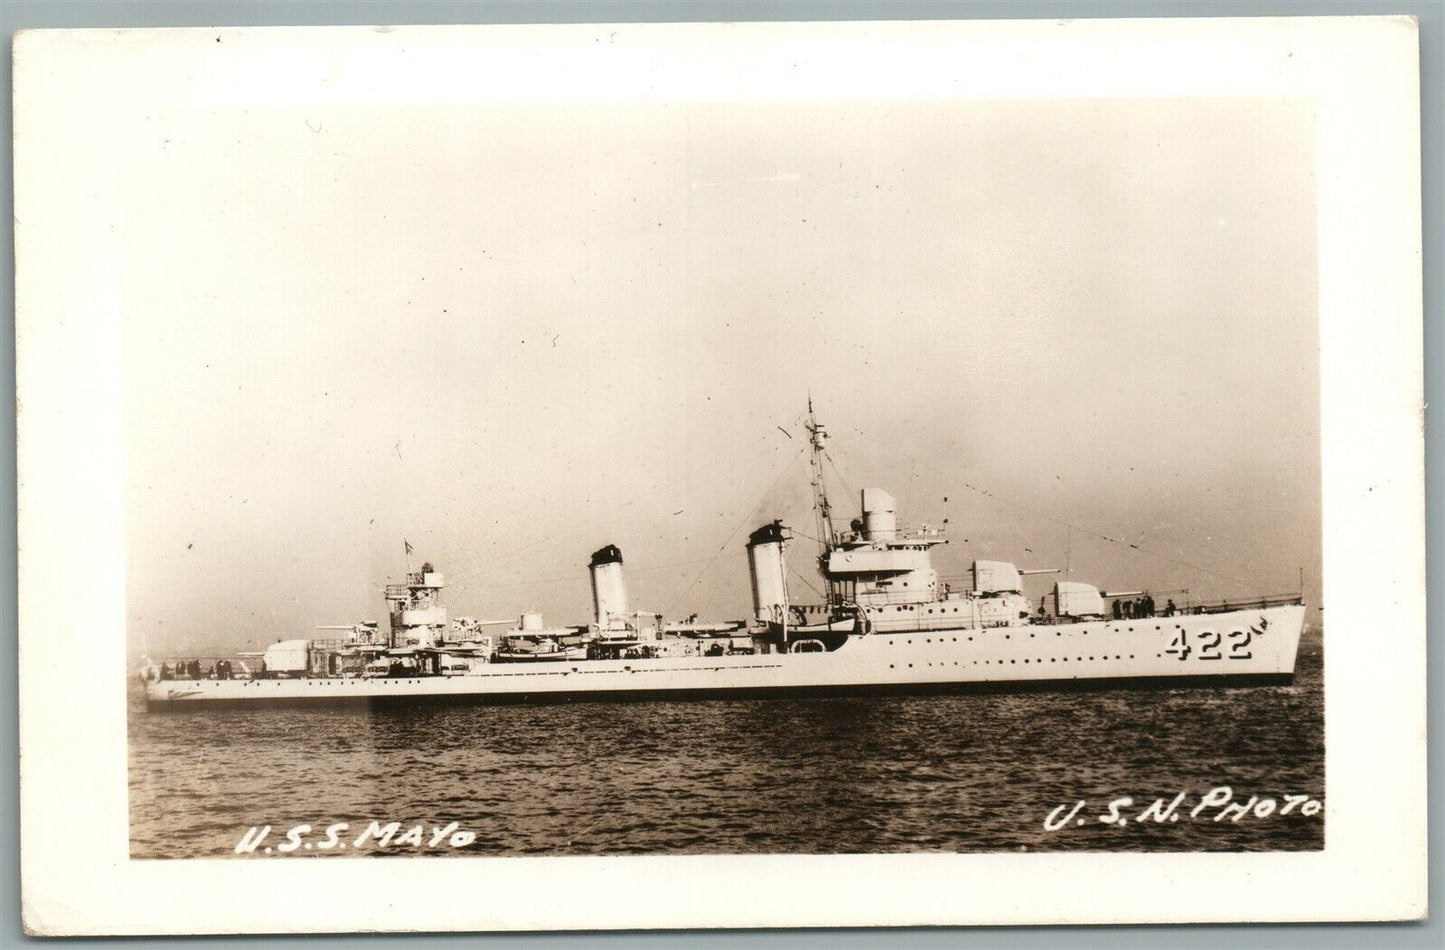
{"x":23,"y":14}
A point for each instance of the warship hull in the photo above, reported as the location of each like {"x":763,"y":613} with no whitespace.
{"x":1243,"y":647}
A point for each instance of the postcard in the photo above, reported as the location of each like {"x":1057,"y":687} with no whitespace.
{"x":720,"y":475}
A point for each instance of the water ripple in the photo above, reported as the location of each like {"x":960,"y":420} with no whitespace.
{"x":968,"y":773}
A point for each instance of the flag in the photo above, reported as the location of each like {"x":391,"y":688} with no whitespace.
{"x":408,"y":545}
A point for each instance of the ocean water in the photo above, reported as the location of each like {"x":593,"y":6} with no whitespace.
{"x":1000,"y":772}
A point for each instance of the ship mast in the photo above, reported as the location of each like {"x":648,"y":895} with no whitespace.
{"x":816,"y":434}
{"x":827,"y":538}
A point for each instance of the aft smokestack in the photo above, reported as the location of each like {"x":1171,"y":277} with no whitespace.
{"x":609,"y":594}
{"x":766,"y":570}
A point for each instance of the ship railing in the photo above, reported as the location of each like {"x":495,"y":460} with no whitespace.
{"x":1189,"y":609}
{"x":334,"y":645}
{"x":209,"y":667}
{"x":904,"y":532}
{"x":1211,"y":606}
{"x":923,"y":620}
{"x":893,"y":598}
{"x":1243,"y":603}
{"x":920,"y":619}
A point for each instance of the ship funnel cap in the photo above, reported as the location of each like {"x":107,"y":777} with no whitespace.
{"x":611,"y":554}
{"x":768,"y":534}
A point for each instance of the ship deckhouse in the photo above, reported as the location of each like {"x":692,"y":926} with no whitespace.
{"x":417,"y":616}
{"x":880,"y":577}
{"x":883,"y":578}
{"x":874,"y":565}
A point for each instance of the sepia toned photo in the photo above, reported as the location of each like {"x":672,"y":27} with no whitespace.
{"x":802,"y":412}
{"x":706,"y":476}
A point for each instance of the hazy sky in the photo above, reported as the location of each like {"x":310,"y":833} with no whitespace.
{"x":511,"y":335}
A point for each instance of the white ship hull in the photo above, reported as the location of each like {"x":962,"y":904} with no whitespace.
{"x":1251,"y":646}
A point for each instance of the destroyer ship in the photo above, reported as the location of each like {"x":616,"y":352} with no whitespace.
{"x":887,"y":624}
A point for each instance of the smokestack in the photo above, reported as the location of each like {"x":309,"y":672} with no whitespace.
{"x":766,"y":570}
{"x":609,"y":594}
{"x":880,"y":519}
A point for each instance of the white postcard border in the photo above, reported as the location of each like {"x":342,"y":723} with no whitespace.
{"x":76,"y":90}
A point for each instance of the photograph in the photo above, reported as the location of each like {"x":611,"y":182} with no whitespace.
{"x":753,"y":427}
{"x":624,"y":464}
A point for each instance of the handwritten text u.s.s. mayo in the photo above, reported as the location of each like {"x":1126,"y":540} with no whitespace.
{"x":1218,"y":804}
{"x":304,"y":838}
